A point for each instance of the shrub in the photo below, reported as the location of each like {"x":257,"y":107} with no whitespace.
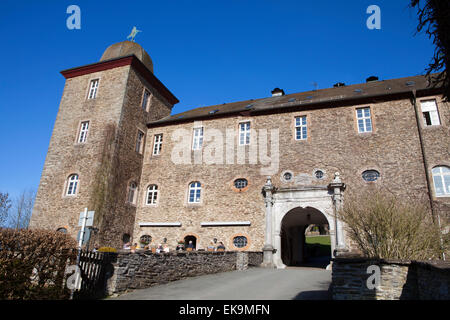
{"x":33,"y":262}
{"x":384,"y":227}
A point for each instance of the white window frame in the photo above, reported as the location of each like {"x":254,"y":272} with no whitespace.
{"x":430,"y":107}
{"x":93,"y":88}
{"x":197,"y":138}
{"x":132,"y":192}
{"x":299,"y":126}
{"x":364,"y":119}
{"x":197,"y":190}
{"x":139,"y":148}
{"x":72,"y":185}
{"x":152,"y":192}
{"x":157,"y":144}
{"x":244,"y":133}
{"x":145,"y":100}
{"x":441,"y":176}
{"x":84,"y":129}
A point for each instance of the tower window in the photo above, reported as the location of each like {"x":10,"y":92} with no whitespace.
{"x":145,"y":100}
{"x":301,"y":132}
{"x":140,"y":142}
{"x":132,"y":191}
{"x":84,"y":128}
{"x":157,"y":144}
{"x":93,"y":89}
{"x":364,"y":120}
{"x":240,"y":242}
{"x":72,"y":184}
{"x":430,"y":113}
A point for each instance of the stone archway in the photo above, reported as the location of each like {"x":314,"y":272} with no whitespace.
{"x":294,"y":248}
{"x":280,"y":201}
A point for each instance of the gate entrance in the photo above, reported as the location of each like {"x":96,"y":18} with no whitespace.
{"x":300,"y":246}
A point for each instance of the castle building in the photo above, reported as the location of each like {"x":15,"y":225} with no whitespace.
{"x":251,"y":174}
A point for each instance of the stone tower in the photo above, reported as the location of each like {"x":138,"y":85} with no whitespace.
{"x":96,"y":149}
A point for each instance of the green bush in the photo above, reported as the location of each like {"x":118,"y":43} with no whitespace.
{"x":33,"y":263}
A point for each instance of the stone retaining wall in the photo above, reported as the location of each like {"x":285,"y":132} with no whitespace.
{"x":399,"y":280}
{"x":145,"y":269}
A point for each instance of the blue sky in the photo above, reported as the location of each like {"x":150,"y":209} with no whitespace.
{"x":205,"y":52}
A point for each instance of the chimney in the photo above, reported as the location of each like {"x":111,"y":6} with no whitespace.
{"x":339,"y":84}
{"x":277,"y":92}
{"x":371,"y":79}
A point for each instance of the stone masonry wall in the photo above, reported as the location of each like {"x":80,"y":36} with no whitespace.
{"x":400,"y":280}
{"x":333,"y":144}
{"x":144,"y":269}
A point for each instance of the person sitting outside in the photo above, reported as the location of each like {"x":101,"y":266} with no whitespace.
{"x":159,"y":248}
{"x":211,"y":246}
{"x":221,"y":247}
{"x":133,"y":248}
{"x":190,"y":246}
{"x":127,"y":246}
{"x":166,"y":247}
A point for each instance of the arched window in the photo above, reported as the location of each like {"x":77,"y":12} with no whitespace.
{"x":195,"y":189}
{"x":62,"y":230}
{"x":152,"y":194}
{"x":72,"y":184}
{"x":441,"y":179}
{"x":132,"y":191}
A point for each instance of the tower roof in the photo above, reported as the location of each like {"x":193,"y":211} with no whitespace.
{"x":126,"y":48}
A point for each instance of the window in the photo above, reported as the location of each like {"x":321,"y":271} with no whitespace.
{"x":240,"y":183}
{"x":84,"y":128}
{"x":72,"y":184}
{"x":140,"y":141}
{"x":319,"y":174}
{"x":240,"y":241}
{"x":430,"y":113}
{"x":62,"y":230}
{"x":157,"y":144}
{"x":300,"y":128}
{"x":197,"y":139}
{"x":132,"y":188}
{"x":93,"y":89}
{"x":286,"y":176}
{"x":441,"y":179}
{"x":370,"y":175}
{"x":145,"y":100}
{"x":145,"y":239}
{"x":152,"y":194}
{"x":195,"y":189}
{"x":364,"y":120}
{"x":244,"y":133}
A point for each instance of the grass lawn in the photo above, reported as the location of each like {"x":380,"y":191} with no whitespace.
{"x":325,"y":240}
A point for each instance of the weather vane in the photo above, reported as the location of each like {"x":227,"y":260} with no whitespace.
{"x":133,"y":33}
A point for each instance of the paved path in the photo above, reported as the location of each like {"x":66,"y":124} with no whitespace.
{"x":252,"y":284}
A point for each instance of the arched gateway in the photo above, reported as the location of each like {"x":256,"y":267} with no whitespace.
{"x":296,"y":207}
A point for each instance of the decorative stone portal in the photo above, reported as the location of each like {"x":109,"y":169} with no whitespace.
{"x":292,"y":206}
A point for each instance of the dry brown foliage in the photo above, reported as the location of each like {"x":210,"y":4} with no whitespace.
{"x":385,"y":227}
{"x":33,"y":262}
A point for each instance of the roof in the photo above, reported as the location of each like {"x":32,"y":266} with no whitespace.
{"x":373,"y":89}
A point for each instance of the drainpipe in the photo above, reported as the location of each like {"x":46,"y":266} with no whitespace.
{"x":434,"y":214}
